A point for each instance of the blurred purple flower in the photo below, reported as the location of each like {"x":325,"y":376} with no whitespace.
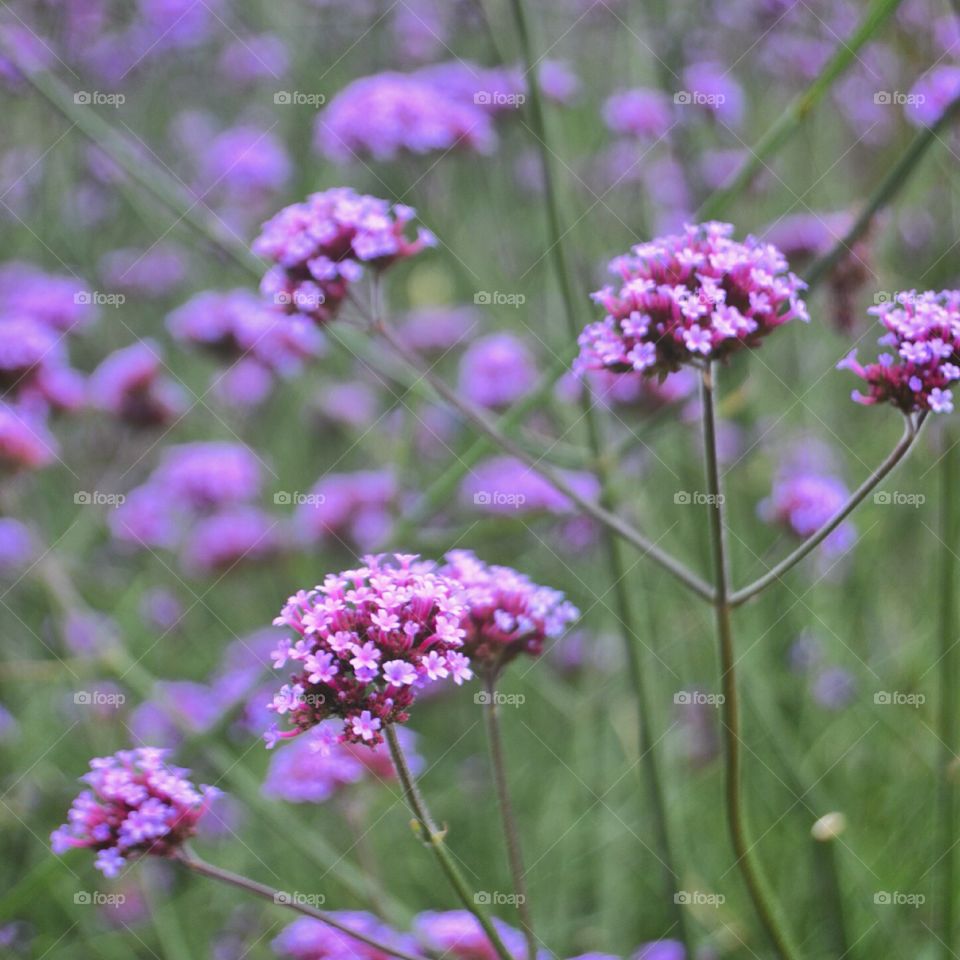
{"x":353,"y":507}
{"x":640,"y":112}
{"x":308,"y":939}
{"x":505,"y":485}
{"x":496,"y":371}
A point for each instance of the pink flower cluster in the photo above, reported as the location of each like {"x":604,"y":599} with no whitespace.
{"x":507,"y":613}
{"x":688,"y":298}
{"x":367,"y":640}
{"x":923,"y":331}
{"x":137,"y":804}
{"x":320,"y":247}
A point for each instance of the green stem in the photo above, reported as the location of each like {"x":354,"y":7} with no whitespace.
{"x":511,"y":833}
{"x":436,"y":840}
{"x":911,"y":431}
{"x":947,"y":713}
{"x":194,"y":863}
{"x":886,"y":190}
{"x":615,"y":564}
{"x":756,"y":883}
{"x":791,"y":119}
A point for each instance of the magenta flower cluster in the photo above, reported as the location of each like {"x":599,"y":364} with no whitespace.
{"x":507,"y":613}
{"x":136,"y":804}
{"x":687,"y":298}
{"x":367,"y":641}
{"x":321,"y":246}
{"x":923,"y":334}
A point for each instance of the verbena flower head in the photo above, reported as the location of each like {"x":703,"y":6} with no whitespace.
{"x":351,"y":507}
{"x":507,"y":613}
{"x":131,"y":385}
{"x":388,"y":114}
{"x":497,"y":370}
{"x":316,"y":766}
{"x":923,"y":333}
{"x":25,"y":441}
{"x":367,"y":641}
{"x":457,"y":934}
{"x":308,"y":939}
{"x":688,"y":298}
{"x":136,"y":804}
{"x":321,"y":246}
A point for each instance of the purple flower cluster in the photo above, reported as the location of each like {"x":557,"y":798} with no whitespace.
{"x":458,"y":934}
{"x":199,"y":498}
{"x":388,"y":114}
{"x":317,"y":765}
{"x":802,"y":501}
{"x":923,"y":331}
{"x":130,"y":385}
{"x":506,"y":485}
{"x":320,"y":247}
{"x":496,"y":371}
{"x":508,"y":614}
{"x":688,"y":298}
{"x":367,"y":641}
{"x":308,"y":939}
{"x":259,"y":342}
{"x":352,"y":507}
{"x":136,"y":804}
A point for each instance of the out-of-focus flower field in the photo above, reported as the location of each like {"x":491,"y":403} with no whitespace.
{"x":288,"y":288}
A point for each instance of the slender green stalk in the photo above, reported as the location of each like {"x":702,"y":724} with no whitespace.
{"x":911,"y":431}
{"x":597,"y":511}
{"x":436,"y":840}
{"x":886,"y":190}
{"x":792,"y":118}
{"x":615,"y":564}
{"x":511,"y":833}
{"x":753,"y":877}
{"x":194,"y":863}
{"x":829,"y":892}
{"x":947,"y":717}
